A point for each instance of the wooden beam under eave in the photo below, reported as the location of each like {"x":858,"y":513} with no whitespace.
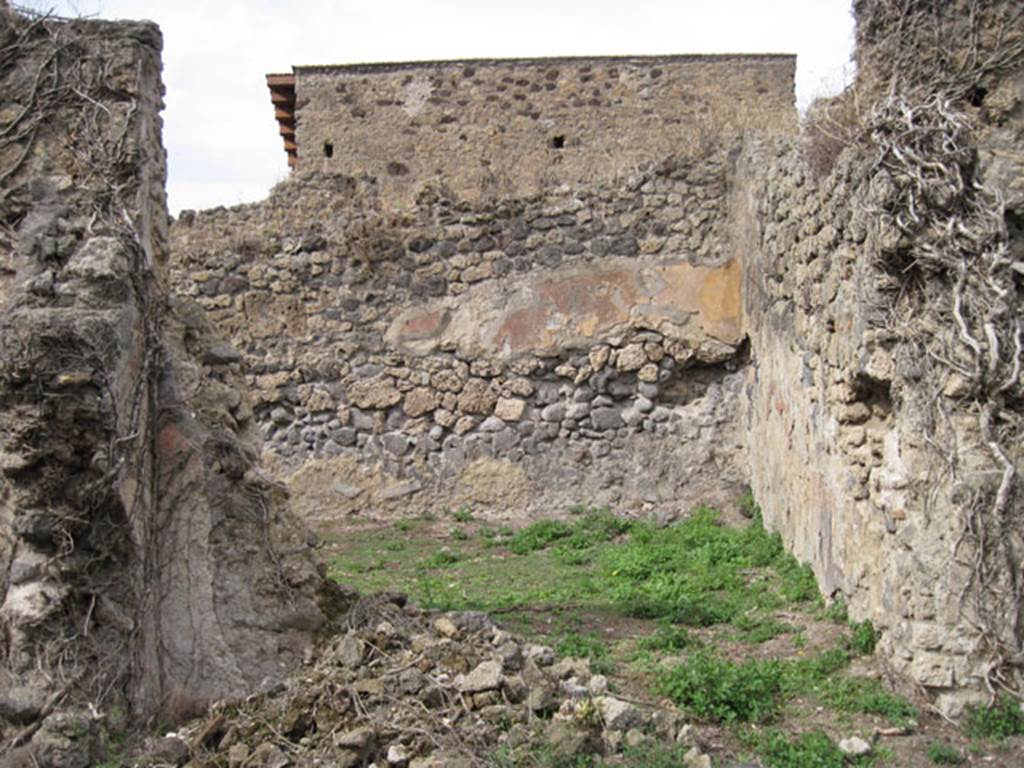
{"x":286,"y":130}
{"x":284,"y":114}
{"x":281,"y":81}
{"x":290,"y":146}
{"x":278,"y":97}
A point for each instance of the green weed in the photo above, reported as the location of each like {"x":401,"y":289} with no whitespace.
{"x":666,"y":637}
{"x":809,"y":750}
{"x":760,"y":629}
{"x":721,"y":691}
{"x":748,"y":506}
{"x":864,"y":638}
{"x":1000,"y":721}
{"x":441,"y":559}
{"x":837,"y":612}
{"x":463,"y":514}
{"x":700,"y":572}
{"x":858,"y":694}
{"x":596,"y":526}
{"x":539,"y":535}
{"x":944,"y":754}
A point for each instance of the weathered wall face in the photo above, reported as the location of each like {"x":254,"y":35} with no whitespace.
{"x":548,"y":346}
{"x":145,"y":562}
{"x":879,"y":364}
{"x":489,"y":129}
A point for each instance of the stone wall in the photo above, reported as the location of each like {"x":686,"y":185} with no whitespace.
{"x":528,"y":354}
{"x":868,"y":442}
{"x":147,"y":566}
{"x":503,"y":129}
{"x":653,"y":339}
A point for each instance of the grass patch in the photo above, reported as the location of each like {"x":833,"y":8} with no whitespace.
{"x":667,"y":638}
{"x":759,"y":629}
{"x":858,"y":694}
{"x":594,"y":527}
{"x":998,"y":722}
{"x":943,"y":754}
{"x":721,"y":691}
{"x":809,"y":750}
{"x":702,"y":573}
{"x":442,"y":559}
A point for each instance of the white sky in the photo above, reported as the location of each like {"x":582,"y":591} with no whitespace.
{"x":221,"y":137}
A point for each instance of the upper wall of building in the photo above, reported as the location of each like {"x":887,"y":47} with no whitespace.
{"x":488,"y":129}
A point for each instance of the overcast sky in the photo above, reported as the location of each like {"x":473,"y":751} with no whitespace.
{"x":221,"y":137}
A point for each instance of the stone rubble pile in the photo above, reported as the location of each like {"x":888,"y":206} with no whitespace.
{"x":405,"y":688}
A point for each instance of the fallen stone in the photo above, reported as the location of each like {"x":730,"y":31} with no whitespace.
{"x":269,"y":755}
{"x":349,"y":650}
{"x":541,"y":655}
{"x":358,"y":739}
{"x":571,"y":667}
{"x":515,"y":689}
{"x":569,"y":740}
{"x":854,"y":746}
{"x":446,"y":627}
{"x":618,"y":715}
{"x":485,"y":677}
{"x":471,"y":621}
{"x":398,"y":755}
{"x":170,"y":750}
